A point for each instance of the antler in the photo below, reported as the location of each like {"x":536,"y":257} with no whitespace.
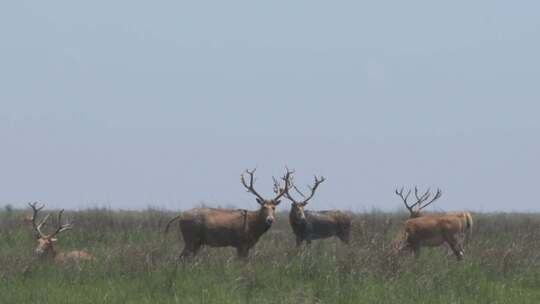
{"x":36,"y":209}
{"x":61,"y":227}
{"x":277,"y":188}
{"x":317,"y":182}
{"x":425,"y":197}
{"x":250,"y":188}
{"x":282,"y":191}
{"x":404,"y":198}
{"x":420,"y":199}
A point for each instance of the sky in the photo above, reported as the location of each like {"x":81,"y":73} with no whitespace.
{"x":131,"y":104}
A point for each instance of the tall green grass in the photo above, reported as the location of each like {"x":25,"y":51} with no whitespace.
{"x":136,"y":263}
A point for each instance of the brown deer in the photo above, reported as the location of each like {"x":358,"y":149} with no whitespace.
{"x":236,"y":228}
{"x":312,"y":225}
{"x":431,"y":229}
{"x":45,"y":248}
{"x":416,"y":208}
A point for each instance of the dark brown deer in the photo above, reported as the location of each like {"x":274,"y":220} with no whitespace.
{"x":431,"y":229}
{"x":45,"y":248}
{"x":312,"y":225}
{"x":236,"y":228}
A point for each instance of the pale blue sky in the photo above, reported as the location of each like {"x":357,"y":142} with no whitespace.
{"x":135,"y":103}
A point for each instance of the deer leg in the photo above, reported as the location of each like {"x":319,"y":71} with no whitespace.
{"x":416,"y":251}
{"x":299,"y":241}
{"x":344,"y":237}
{"x":345,"y":233}
{"x":196,"y":249}
{"x":456,"y":247}
{"x":190,"y":250}
{"x":242,"y":252}
{"x":186,"y":252}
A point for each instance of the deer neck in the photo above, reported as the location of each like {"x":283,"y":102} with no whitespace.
{"x":49,"y":254}
{"x":255,"y":224}
{"x":416,"y":214}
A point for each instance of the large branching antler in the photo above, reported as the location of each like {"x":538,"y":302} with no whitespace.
{"x":61,"y":227}
{"x":250,"y":188}
{"x":35,"y":210}
{"x":317,"y":182}
{"x":283,"y":191}
{"x":420,"y":199}
{"x":425,"y":197}
{"x":404,"y":198}
{"x":277,"y":187}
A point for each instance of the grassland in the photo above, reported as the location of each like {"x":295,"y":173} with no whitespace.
{"x":135,"y":263}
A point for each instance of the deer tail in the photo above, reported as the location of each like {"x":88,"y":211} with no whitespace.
{"x":468,"y":221}
{"x":170,"y":222}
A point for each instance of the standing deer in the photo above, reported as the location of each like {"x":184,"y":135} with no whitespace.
{"x":416,"y":208}
{"x":312,"y":225}
{"x":236,"y":228}
{"x":45,"y":249}
{"x":431,"y":229}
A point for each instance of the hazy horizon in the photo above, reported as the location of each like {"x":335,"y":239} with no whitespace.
{"x":132,"y":104}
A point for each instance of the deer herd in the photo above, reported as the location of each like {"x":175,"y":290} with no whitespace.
{"x":242,"y":229}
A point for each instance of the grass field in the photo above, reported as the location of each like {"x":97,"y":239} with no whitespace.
{"x":135,"y":263}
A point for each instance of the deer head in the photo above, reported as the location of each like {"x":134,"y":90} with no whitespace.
{"x":414,"y":209}
{"x":45,"y":241}
{"x":267,"y":206}
{"x":297,"y":206}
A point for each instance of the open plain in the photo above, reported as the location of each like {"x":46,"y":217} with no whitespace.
{"x":136,"y":263}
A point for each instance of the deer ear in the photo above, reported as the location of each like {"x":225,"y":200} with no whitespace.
{"x":304,"y":204}
{"x":259,"y":201}
{"x":277,"y":202}
{"x":54,"y":239}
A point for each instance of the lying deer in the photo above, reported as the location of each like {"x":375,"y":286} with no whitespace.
{"x":431,"y":229}
{"x":217,"y":227}
{"x":312,"y":225}
{"x":45,"y":248}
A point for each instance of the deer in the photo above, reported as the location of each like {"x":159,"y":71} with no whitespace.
{"x":238,"y":228}
{"x":45,"y":249}
{"x":431,"y":229}
{"x":415,"y":210}
{"x":312,"y":225}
